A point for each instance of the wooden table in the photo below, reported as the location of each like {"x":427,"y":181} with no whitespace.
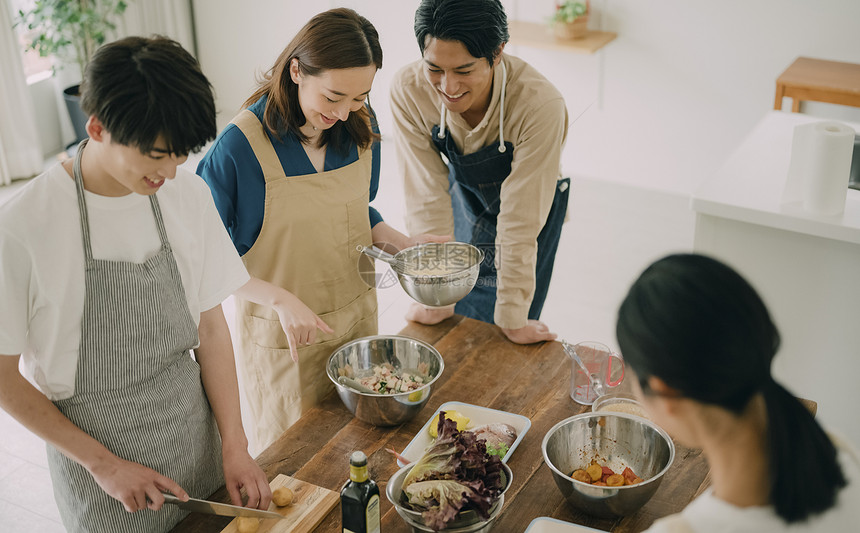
{"x":482,"y":368}
{"x":818,"y":80}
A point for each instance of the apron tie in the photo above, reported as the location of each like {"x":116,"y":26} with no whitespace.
{"x":441,"y":133}
{"x":502,"y":147}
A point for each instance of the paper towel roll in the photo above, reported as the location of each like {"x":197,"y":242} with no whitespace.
{"x":823,"y":152}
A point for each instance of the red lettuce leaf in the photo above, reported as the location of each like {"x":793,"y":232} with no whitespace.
{"x":460,"y":458}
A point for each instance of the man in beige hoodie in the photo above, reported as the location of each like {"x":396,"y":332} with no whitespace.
{"x":479,"y":135}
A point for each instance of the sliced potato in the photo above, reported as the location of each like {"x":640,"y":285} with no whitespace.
{"x":615,"y":480}
{"x":247,"y":524}
{"x":580,"y":475}
{"x":595,"y":472}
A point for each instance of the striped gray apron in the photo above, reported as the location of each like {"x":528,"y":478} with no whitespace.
{"x":137,"y":389}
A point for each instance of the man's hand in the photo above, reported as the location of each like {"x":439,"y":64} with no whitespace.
{"x":240,"y":471}
{"x":392,"y":241}
{"x":534,"y":331}
{"x":428,"y":315}
{"x":427,"y":237}
{"x":134,"y":485}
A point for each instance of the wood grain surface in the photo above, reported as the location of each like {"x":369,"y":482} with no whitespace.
{"x":310,"y":505}
{"x":483,"y":368}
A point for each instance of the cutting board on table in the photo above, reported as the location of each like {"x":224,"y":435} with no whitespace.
{"x":310,"y":505}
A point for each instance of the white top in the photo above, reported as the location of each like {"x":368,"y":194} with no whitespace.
{"x":708,"y":514}
{"x":42,"y":258}
{"x":749,"y":186}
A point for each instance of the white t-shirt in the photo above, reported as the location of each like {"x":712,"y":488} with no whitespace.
{"x":42,"y":262}
{"x":709,"y":514}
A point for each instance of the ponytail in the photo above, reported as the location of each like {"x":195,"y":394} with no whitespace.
{"x":804,"y":473}
{"x":702,"y":329}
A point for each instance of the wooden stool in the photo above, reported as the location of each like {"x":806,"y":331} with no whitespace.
{"x":819,"y":81}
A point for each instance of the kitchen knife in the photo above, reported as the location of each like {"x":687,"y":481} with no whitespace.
{"x":205,"y":506}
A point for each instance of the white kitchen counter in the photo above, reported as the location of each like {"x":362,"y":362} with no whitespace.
{"x":749,"y":186}
{"x":806,"y":267}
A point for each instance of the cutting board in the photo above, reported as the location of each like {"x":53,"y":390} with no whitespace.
{"x":310,"y":505}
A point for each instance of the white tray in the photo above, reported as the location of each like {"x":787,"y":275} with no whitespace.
{"x":543,"y":524}
{"x":478,"y":416}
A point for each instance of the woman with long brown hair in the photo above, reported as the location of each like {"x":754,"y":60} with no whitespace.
{"x":292,"y":176}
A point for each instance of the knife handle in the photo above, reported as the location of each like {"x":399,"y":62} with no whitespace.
{"x":170,"y":498}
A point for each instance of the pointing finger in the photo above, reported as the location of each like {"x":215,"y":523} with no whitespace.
{"x":291,"y":340}
{"x":323,"y":326}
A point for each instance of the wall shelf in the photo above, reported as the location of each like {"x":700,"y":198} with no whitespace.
{"x":541,"y":36}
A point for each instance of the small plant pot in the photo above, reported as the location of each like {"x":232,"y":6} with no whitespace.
{"x":72,"y":96}
{"x":571,"y":30}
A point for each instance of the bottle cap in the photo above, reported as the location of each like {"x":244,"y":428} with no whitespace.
{"x":358,"y":458}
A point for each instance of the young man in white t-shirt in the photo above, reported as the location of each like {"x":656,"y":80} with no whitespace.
{"x":113,"y":268}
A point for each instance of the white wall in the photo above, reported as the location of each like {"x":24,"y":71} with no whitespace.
{"x":143,"y":17}
{"x":234,"y":48}
{"x":684,"y":81}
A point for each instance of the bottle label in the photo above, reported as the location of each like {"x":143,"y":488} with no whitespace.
{"x":348,"y":530}
{"x":373,"y":514}
{"x":358,"y":473}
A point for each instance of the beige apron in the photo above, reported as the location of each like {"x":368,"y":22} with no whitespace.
{"x":311,"y":227}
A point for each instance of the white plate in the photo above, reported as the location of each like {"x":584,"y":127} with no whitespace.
{"x":478,"y":416}
{"x":543,"y":524}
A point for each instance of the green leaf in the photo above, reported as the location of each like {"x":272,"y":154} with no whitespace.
{"x":568,"y":11}
{"x":500,"y":449}
{"x":69,"y":28}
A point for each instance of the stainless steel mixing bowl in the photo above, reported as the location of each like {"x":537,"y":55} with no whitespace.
{"x":417,"y":270}
{"x":465,"y":522}
{"x":615,"y":440}
{"x":356,"y":359}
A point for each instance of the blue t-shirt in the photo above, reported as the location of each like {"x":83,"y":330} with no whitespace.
{"x":231,"y":158}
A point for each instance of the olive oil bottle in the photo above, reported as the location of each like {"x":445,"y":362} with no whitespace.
{"x":359,"y":498}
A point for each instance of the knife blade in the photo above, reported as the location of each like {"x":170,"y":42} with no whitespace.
{"x":205,"y":506}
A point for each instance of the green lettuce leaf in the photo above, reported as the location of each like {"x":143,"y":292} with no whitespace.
{"x":441,"y":458}
{"x":443,"y":499}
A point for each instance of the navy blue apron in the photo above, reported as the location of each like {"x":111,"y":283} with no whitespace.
{"x":475,"y":184}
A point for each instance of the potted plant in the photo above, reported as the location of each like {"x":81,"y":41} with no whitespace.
{"x":570,"y":20}
{"x":71,"y":31}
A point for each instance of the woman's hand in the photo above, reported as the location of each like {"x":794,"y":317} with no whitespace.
{"x":534,"y":331}
{"x":241,"y":472}
{"x":134,"y":485}
{"x":299,"y":322}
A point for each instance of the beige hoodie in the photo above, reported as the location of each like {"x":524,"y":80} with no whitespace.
{"x":535,"y":122}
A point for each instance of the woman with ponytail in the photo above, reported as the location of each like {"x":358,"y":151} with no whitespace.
{"x":701,"y":343}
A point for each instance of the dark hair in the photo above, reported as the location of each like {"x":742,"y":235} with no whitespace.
{"x":700,"y":327}
{"x":141,"y":88}
{"x":481,"y":25}
{"x":335,"y":39}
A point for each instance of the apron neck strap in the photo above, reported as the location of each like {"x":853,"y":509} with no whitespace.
{"x":502,"y":147}
{"x":82,"y":204}
{"x":84,"y":215}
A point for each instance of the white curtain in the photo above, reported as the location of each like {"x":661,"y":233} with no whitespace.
{"x":171,"y":18}
{"x":20,"y":149}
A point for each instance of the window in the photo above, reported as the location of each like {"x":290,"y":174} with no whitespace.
{"x":35,"y":67}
